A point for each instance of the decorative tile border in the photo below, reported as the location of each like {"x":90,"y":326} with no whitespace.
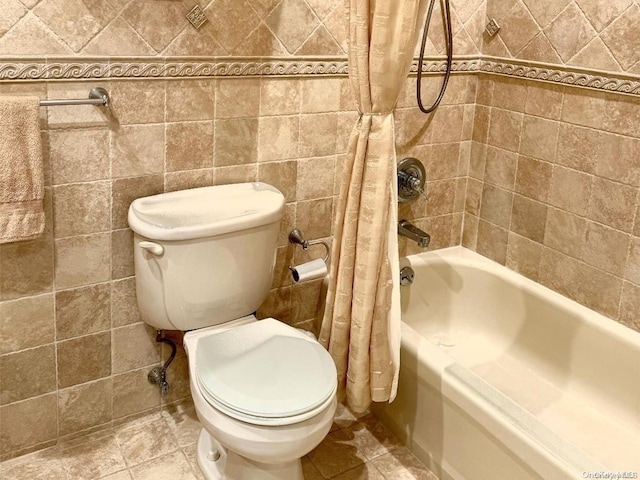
{"x":130,"y":68}
{"x":459,"y":65}
{"x":593,"y":79}
{"x":80,"y":69}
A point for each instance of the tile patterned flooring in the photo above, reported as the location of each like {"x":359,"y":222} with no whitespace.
{"x":162,"y":446}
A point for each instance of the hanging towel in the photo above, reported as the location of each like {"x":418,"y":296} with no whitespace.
{"x":21,"y":170}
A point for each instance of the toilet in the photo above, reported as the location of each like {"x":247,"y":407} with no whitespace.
{"x":265,"y":393}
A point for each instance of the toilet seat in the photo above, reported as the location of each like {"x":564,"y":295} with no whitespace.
{"x":265,"y":373}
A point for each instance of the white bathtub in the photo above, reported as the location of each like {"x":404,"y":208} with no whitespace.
{"x":502,"y":378}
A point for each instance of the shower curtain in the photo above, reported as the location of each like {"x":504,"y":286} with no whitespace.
{"x":361,"y":324}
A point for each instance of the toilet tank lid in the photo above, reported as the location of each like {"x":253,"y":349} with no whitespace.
{"x":206,"y":211}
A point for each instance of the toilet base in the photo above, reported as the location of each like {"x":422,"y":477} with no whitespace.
{"x":217,"y":463}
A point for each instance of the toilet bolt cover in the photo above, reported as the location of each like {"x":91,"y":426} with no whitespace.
{"x":265,"y":369}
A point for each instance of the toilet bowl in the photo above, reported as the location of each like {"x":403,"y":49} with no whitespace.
{"x":236,"y":445}
{"x":264,"y":392}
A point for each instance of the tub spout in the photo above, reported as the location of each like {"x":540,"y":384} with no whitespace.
{"x":414,"y":233}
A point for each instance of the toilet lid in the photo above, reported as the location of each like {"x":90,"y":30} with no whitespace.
{"x":266,"y":370}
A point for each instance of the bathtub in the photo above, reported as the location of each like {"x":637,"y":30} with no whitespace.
{"x":502,"y":378}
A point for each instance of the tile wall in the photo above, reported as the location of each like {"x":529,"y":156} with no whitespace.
{"x":73,"y":353}
{"x":553,"y":190}
{"x":583,"y":33}
{"x":554,"y":171}
{"x":542,"y":178}
{"x":159,"y":27}
{"x":235,"y":27}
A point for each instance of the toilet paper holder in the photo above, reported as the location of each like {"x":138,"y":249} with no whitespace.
{"x":295,"y":237}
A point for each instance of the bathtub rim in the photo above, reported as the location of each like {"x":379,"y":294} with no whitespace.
{"x":465,"y":257}
{"x":435,"y":366}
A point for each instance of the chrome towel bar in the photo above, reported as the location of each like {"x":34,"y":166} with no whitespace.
{"x":97,"y":96}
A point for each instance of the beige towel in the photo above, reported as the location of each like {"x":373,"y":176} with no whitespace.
{"x":21,"y":170}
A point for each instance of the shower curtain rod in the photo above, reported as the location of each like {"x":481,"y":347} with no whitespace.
{"x":97,"y":96}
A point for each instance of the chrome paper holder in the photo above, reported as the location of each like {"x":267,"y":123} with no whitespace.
{"x":296,"y":237}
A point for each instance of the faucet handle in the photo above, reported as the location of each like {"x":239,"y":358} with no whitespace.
{"x":411,"y":179}
{"x":412,"y":182}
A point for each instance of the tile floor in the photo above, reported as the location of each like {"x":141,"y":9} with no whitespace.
{"x":161,"y":446}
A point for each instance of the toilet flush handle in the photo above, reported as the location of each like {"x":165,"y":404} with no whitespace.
{"x":153,"y":248}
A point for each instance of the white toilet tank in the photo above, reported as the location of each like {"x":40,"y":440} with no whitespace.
{"x":204,"y":256}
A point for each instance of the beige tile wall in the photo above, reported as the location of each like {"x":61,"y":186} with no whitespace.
{"x":235,"y":27}
{"x":73,"y":352}
{"x":583,"y":33}
{"x":553,"y":190}
{"x":72,"y":348}
{"x":544,"y":179}
{"x":467,"y":25}
{"x":442,"y":141}
{"x":159,"y":27}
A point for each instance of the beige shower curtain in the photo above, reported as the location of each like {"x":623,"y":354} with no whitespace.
{"x":361,"y":324}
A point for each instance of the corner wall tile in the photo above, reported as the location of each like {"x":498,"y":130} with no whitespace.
{"x":121,"y":254}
